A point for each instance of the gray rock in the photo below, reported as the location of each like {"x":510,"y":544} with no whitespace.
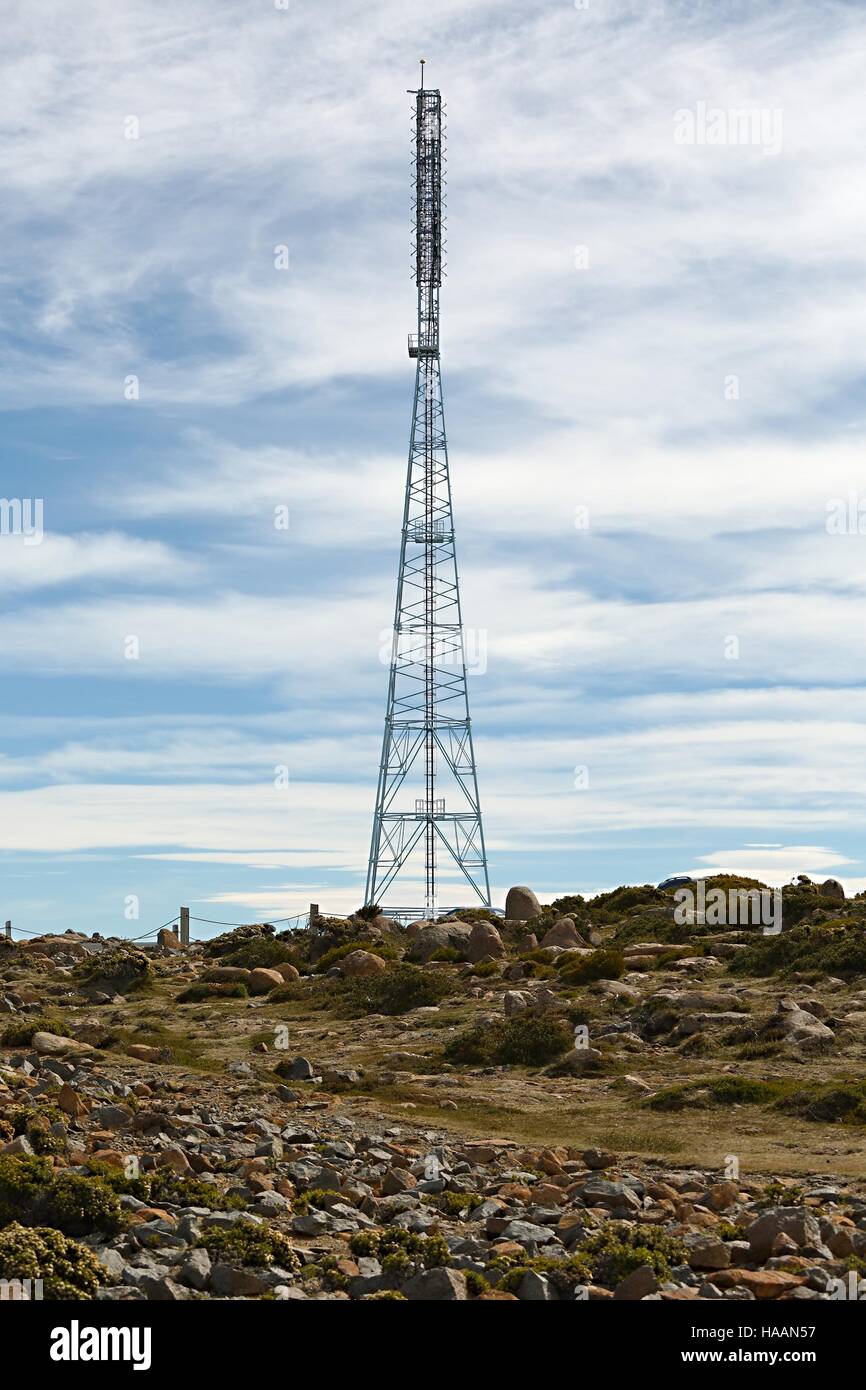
{"x":521,"y":904}
{"x":437,"y":1285}
{"x":438,"y":937}
{"x":598,"y":1192}
{"x":165,"y":1290}
{"x":534,"y":1288}
{"x":300,"y":1069}
{"x":797,"y":1222}
{"x":195,"y":1270}
{"x":527,"y":1233}
{"x":229,"y":1282}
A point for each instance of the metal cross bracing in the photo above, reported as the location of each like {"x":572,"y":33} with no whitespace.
{"x":427,"y":743}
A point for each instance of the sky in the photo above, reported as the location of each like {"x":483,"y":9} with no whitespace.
{"x":653,"y":364}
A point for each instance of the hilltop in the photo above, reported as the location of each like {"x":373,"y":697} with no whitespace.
{"x":602,"y":1097}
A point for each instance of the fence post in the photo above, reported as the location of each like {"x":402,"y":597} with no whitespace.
{"x":8,"y":931}
{"x":314,"y":912}
{"x":184,"y":926}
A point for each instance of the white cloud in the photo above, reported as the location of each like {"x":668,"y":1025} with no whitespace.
{"x":63,"y":560}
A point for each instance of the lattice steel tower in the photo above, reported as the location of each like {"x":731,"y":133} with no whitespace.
{"x":428,"y":735}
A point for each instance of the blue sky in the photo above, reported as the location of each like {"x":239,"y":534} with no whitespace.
{"x":653,"y":362}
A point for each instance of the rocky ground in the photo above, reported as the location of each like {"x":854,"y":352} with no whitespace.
{"x":591,"y":1100}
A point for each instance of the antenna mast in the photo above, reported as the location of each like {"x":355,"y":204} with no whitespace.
{"x":428,"y":735}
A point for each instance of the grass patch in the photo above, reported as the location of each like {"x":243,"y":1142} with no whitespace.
{"x":196,"y":993}
{"x":20,"y":1033}
{"x":718,"y":1090}
{"x":837,"y":1102}
{"x":183,"y":1050}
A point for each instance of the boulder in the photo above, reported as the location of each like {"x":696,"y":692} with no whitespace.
{"x":167,"y":938}
{"x":431,"y":939}
{"x":142,"y":1053}
{"x":521,"y":904}
{"x":515,"y":1002}
{"x":288,"y":972}
{"x":437,"y":1285}
{"x":597,"y":1159}
{"x":360,"y":964}
{"x":484,"y":940}
{"x":263,"y":980}
{"x":562,"y":933}
{"x":832,"y":888}
{"x":52,"y":1045}
{"x":797,"y":1222}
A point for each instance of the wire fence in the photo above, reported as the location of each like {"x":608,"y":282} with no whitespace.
{"x":297,"y":918}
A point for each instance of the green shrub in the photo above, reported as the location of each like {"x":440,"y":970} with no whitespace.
{"x":398,"y":1266}
{"x":166,"y":1186}
{"x":404,"y":988}
{"x":338,"y":953}
{"x":826,"y":949}
{"x":34,"y":1124}
{"x":475,"y":1282}
{"x":20,"y":1032}
{"x":718,"y":1090}
{"x":449,"y":954}
{"x":119,"y":1181}
{"x":533,"y":971}
{"x":565,"y":1275}
{"x":485,"y":969}
{"x":33,"y":1193}
{"x":78,"y":1206}
{"x":836,"y":1102}
{"x":194,"y":994}
{"x":315,"y":1198}
{"x":369,"y":912}
{"x":247,"y":1243}
{"x":122,"y":969}
{"x":230,"y":941}
{"x":527,"y":1040}
{"x":541,"y":955}
{"x":601,"y":965}
{"x":289,"y":993}
{"x":69,"y":1270}
{"x":452,"y":1203}
{"x":428,"y":1252}
{"x":262,"y":951}
{"x":618,"y":1249}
